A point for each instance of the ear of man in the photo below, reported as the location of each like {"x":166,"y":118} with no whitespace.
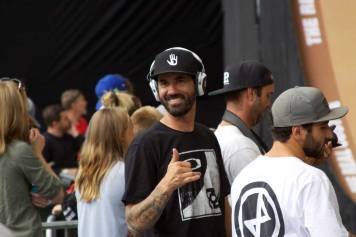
{"x":299,"y":133}
{"x":251,"y":94}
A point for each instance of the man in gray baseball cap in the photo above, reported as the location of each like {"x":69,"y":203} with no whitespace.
{"x":308,"y":108}
{"x":298,"y":198}
{"x":248,"y":89}
{"x":303,"y":105}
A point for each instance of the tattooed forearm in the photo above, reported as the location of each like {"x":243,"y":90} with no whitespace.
{"x":145,"y":214}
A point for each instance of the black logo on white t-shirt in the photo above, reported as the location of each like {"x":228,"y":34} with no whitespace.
{"x":257,"y":212}
{"x":200,"y":198}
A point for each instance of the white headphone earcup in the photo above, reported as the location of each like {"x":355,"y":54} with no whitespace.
{"x":201,"y":83}
{"x":154,"y":89}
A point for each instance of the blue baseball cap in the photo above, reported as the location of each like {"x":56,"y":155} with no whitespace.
{"x":108,"y":83}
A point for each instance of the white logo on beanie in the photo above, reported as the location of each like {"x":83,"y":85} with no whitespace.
{"x":226,"y":78}
{"x":173,"y":60}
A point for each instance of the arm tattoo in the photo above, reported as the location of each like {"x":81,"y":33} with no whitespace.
{"x":145,"y":214}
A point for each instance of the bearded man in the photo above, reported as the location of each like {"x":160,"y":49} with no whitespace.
{"x":281,"y":193}
{"x":175,"y":179}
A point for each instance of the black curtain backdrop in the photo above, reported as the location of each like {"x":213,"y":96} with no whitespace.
{"x":61,"y":44}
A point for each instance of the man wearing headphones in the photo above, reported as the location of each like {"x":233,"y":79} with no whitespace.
{"x":248,"y":89}
{"x":280,"y":194}
{"x":175,"y":179}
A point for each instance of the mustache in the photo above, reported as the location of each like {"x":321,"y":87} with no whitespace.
{"x":174,"y":96}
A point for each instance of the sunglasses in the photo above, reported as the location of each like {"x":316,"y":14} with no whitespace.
{"x":19,"y":84}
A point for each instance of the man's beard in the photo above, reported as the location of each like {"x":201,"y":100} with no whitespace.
{"x":313,"y":148}
{"x":257,"y":112}
{"x":180,"y":110}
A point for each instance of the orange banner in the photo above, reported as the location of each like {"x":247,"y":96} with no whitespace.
{"x":327,"y":36}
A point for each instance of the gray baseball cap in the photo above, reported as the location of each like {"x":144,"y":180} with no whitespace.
{"x":303,"y":105}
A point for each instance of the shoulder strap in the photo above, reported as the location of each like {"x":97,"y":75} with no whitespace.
{"x":236,"y":121}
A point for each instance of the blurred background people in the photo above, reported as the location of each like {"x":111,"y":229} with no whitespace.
{"x":61,"y":149}
{"x":111,"y":82}
{"x":26,"y":180}
{"x":74,"y":102}
{"x":144,"y":118}
{"x":119,"y":99}
{"x":100,"y":182}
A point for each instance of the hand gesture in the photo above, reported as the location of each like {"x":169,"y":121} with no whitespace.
{"x":324,"y":155}
{"x":327,"y":150}
{"x":178,"y":173}
{"x":37,"y":140}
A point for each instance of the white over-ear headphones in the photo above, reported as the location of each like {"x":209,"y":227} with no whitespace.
{"x":152,"y":82}
{"x":200,"y":77}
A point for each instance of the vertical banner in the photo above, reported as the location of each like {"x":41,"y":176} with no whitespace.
{"x":327,"y":35}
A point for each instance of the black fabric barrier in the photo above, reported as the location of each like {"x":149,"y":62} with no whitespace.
{"x":57,"y":45}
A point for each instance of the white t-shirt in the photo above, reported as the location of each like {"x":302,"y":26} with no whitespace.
{"x":237,"y":150}
{"x":272,"y":196}
{"x":105,"y":216}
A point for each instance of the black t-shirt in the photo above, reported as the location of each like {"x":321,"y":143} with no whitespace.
{"x":62,"y":151}
{"x":196,"y":209}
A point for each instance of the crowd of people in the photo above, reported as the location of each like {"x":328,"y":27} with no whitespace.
{"x":136,"y":171}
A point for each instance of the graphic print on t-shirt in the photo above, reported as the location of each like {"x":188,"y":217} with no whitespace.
{"x":257,"y":212}
{"x":200,"y":198}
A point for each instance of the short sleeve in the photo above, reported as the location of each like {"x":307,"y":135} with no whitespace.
{"x":225,"y":184}
{"x":321,"y":211}
{"x":140,"y":173}
{"x":236,"y":161}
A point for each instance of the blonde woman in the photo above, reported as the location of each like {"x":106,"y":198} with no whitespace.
{"x":119,"y":99}
{"x":22,"y":166}
{"x":100,"y":183}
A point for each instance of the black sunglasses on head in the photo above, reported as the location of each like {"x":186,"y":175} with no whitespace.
{"x":19,"y":84}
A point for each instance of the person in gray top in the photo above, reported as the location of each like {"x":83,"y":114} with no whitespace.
{"x":26,"y":181}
